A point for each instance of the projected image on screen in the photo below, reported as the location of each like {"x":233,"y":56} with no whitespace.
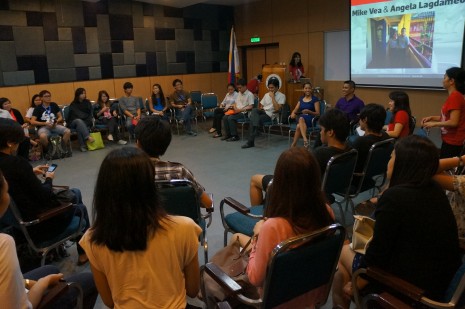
{"x":400,"y":41}
{"x":405,"y":43}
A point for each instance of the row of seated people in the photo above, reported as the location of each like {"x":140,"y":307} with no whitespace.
{"x":297,"y":170}
{"x":47,"y":118}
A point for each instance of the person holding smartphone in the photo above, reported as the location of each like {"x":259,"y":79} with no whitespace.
{"x":31,"y":195}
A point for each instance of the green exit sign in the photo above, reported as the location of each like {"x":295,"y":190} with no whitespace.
{"x":255,"y":40}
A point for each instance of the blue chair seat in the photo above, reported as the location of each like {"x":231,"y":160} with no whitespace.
{"x":243,"y":224}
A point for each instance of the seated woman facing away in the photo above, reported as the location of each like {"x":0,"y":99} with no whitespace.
{"x":140,"y":256}
{"x":296,"y":206}
{"x":16,"y":292}
{"x":415,"y":235}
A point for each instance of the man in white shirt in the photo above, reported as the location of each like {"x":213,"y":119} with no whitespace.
{"x":268,"y":109}
{"x":240,"y":108}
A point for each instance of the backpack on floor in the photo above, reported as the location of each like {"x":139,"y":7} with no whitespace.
{"x":56,"y":149}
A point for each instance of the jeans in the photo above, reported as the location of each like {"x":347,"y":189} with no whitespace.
{"x":82,"y":131}
{"x":186,"y":116}
{"x":68,"y":300}
{"x":112,"y":126}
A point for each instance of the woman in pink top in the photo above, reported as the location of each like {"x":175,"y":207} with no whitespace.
{"x":452,"y":119}
{"x":399,"y":106}
{"x":296,"y":206}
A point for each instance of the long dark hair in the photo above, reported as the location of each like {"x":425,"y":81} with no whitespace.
{"x":296,"y":192}
{"x":77,"y":93}
{"x":416,"y":161}
{"x":401,"y":103}
{"x":33,"y":99}
{"x":292,"y":62}
{"x":458,"y":75}
{"x":99,"y":98}
{"x":162,"y":96}
{"x":126,"y":208}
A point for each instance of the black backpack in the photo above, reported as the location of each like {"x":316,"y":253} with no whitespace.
{"x":57,"y":149}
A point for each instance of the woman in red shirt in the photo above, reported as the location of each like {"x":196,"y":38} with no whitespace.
{"x":452,"y":119}
{"x":399,"y":106}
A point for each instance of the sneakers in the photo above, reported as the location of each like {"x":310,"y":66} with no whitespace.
{"x":83,"y":149}
{"x":122,"y":142}
{"x":192,"y":133}
{"x":110,"y":137}
{"x":235,"y":138}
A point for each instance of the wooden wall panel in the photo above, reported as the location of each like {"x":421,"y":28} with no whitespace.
{"x":18,"y":96}
{"x":195,"y":82}
{"x":272,"y":55}
{"x":289,"y":17}
{"x":219,"y":82}
{"x":93,"y":87}
{"x":255,"y":59}
{"x":316,"y":57}
{"x":62,"y":93}
{"x":253,"y":19}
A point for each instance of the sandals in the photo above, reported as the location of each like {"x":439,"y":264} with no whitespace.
{"x":306,"y":144}
{"x":212,"y":130}
{"x":217,"y":135}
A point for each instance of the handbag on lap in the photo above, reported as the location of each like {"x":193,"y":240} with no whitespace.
{"x":363,"y":233}
{"x":233,"y":260}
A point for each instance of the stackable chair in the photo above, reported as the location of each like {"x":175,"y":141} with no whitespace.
{"x":44,"y":246}
{"x":178,"y":197}
{"x":338,"y":178}
{"x":297,"y":266}
{"x":209,"y":101}
{"x":313,"y":129}
{"x":244,"y":218}
{"x":403,"y":295}
{"x":375,"y":167}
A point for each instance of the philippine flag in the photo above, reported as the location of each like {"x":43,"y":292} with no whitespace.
{"x":233,"y":59}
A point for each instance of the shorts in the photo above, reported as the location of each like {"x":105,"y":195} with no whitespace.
{"x":266,"y":181}
{"x":58,"y":129}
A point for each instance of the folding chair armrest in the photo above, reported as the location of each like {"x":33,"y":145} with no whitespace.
{"x":50,"y":213}
{"x":52,"y":294}
{"x":212,"y":208}
{"x":61,"y":187}
{"x":222,"y":279}
{"x":396,"y":283}
{"x":236,"y":205}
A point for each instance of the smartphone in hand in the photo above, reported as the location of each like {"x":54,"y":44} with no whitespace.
{"x":52,"y":168}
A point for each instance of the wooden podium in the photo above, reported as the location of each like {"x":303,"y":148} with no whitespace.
{"x":273,"y":70}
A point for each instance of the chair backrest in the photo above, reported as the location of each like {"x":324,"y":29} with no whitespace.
{"x":322,"y":107}
{"x":301,"y":264}
{"x":412,"y":124}
{"x":377,"y":160}
{"x":196,"y":96}
{"x":179,"y":197}
{"x":339,"y":172}
{"x":209,"y":100}
{"x":65,"y":112}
